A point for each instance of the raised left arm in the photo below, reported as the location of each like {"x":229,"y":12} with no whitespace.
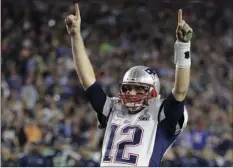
{"x":182,"y":78}
{"x":182,"y":58}
{"x":175,"y":114}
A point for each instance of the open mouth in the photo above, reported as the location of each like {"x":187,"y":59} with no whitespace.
{"x":131,"y":104}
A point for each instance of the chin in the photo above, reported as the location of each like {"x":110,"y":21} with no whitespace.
{"x":134,"y":110}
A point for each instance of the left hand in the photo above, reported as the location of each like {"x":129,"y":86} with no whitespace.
{"x":183,"y":31}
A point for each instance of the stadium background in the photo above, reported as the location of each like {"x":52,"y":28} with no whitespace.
{"x":45,"y":118}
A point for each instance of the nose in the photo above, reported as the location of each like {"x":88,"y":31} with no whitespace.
{"x":131,"y":92}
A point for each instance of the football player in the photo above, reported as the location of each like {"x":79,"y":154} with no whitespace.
{"x":140,"y":126}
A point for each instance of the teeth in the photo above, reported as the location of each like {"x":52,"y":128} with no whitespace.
{"x":133,"y":104}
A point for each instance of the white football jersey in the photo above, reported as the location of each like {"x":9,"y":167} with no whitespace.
{"x":135,"y":139}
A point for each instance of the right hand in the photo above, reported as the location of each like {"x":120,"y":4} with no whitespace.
{"x":73,"y":22}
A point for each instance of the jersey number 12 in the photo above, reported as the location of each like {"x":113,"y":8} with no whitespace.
{"x":121,"y":146}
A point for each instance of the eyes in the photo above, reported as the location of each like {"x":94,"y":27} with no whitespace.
{"x":138,"y":89}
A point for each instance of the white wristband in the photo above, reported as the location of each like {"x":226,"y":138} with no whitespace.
{"x":182,"y":54}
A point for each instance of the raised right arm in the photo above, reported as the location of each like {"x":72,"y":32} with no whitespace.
{"x":94,"y":93}
{"x":82,"y":63}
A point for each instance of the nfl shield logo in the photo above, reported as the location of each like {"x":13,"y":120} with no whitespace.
{"x":144,"y":117}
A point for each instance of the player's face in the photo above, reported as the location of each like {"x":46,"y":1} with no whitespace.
{"x":134,"y":96}
{"x":134,"y":89}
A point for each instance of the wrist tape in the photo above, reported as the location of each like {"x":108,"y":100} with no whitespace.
{"x":182,"y":54}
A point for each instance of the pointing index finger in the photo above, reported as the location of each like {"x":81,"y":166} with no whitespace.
{"x":76,"y":10}
{"x":180,"y":16}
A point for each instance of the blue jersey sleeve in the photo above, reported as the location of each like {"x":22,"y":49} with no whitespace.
{"x":97,"y":98}
{"x":174,"y":114}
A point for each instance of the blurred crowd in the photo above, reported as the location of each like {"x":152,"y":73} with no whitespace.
{"x":45,"y":117}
